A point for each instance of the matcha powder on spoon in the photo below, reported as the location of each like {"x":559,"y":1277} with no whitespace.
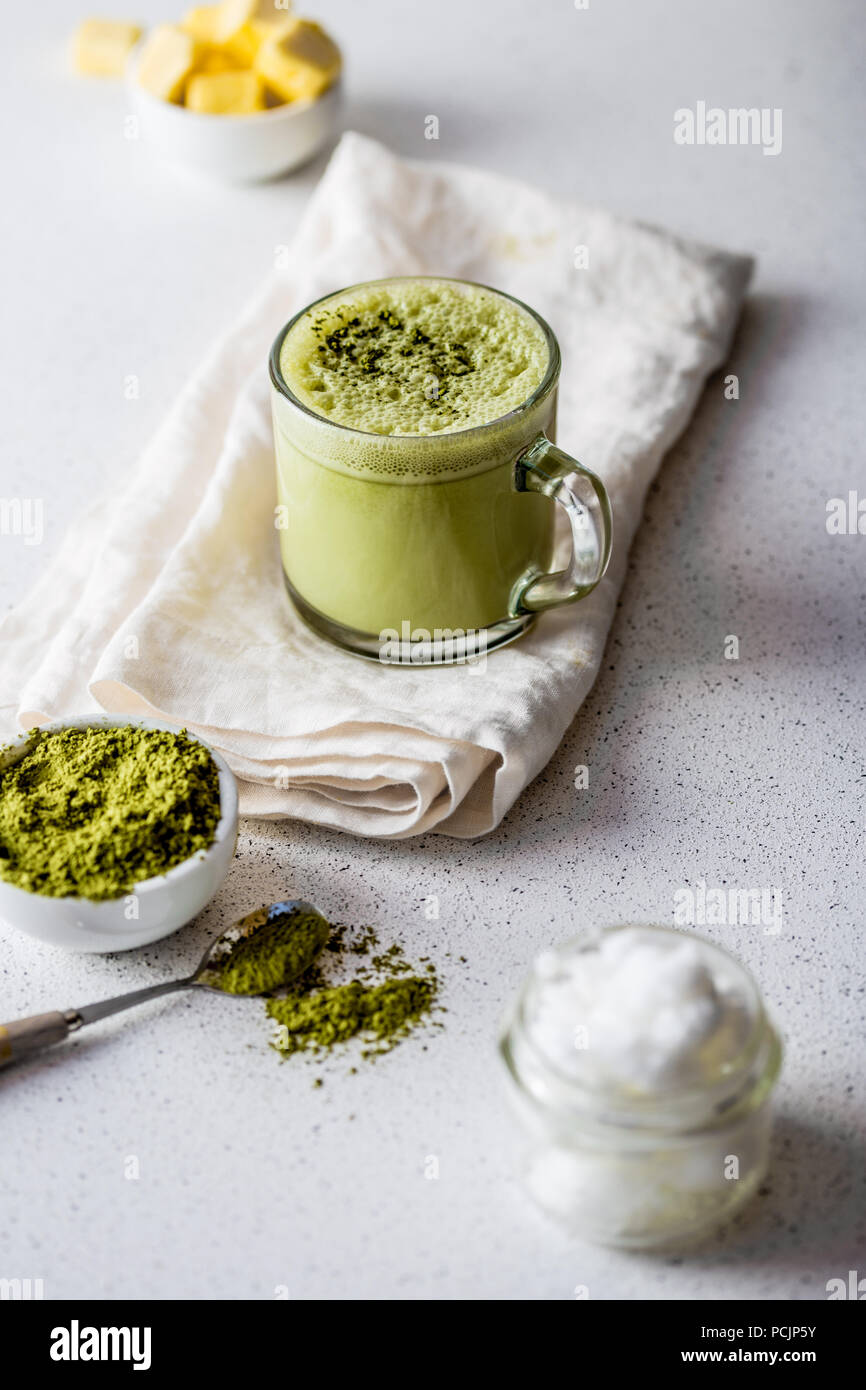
{"x":272,"y":947}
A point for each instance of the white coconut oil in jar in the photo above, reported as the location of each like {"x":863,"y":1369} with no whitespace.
{"x":641,"y":1061}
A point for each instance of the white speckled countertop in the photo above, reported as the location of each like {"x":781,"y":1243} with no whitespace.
{"x":747,"y":773}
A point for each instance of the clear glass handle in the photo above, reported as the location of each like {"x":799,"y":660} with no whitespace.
{"x":546,"y":469}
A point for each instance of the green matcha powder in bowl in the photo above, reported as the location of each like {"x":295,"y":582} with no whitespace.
{"x":128,"y":885}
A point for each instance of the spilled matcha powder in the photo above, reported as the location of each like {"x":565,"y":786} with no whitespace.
{"x":290,"y":947}
{"x":92,"y":812}
{"x":385,"y":1012}
{"x":382,"y":1004}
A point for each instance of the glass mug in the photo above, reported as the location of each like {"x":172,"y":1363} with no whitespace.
{"x":431,"y":548}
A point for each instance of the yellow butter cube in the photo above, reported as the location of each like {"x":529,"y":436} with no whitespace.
{"x":168,"y":57}
{"x":245,"y":44}
{"x":216,"y":60}
{"x":101,"y":46}
{"x":217,"y":23}
{"x":201,"y":23}
{"x":267,"y":28}
{"x":298,"y":61}
{"x":272,"y":11}
{"x":225,"y":93}
{"x":233,"y":15}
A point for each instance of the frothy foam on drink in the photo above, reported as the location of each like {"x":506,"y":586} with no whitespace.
{"x":414,"y":357}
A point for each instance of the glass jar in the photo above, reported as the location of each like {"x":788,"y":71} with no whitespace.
{"x":624,"y":1167}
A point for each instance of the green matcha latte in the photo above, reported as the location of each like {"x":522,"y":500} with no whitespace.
{"x":400,"y":408}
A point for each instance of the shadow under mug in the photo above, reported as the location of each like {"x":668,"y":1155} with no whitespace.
{"x":430,"y":549}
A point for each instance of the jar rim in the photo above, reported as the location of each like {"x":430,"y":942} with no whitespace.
{"x":753,"y":1068}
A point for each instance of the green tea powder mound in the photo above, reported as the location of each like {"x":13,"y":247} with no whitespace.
{"x":91,"y":812}
{"x":385,"y":1013}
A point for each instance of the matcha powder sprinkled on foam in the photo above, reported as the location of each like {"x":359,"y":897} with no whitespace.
{"x":91,"y":812}
{"x":372,"y":347}
{"x":383,"y":348}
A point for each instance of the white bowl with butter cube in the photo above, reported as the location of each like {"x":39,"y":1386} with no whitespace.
{"x":240,"y":91}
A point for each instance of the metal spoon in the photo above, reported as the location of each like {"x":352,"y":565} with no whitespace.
{"x":28,"y":1035}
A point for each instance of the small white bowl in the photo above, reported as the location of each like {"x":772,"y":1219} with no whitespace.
{"x":235,"y":149}
{"x":164,"y":903}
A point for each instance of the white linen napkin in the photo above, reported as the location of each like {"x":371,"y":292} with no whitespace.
{"x":167,"y":599}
